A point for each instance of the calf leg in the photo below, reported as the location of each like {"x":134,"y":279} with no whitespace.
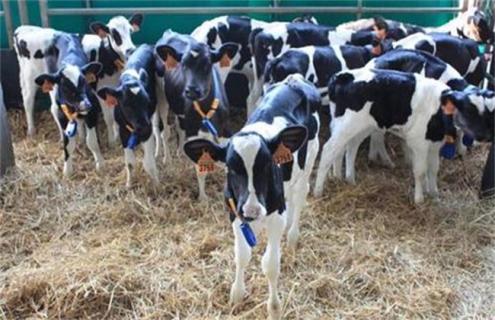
{"x":242,"y":253}
{"x":130,"y":164}
{"x":54,"y":109}
{"x":270,"y":262}
{"x":433,"y":166}
{"x":92,"y":143}
{"x":346,"y":128}
{"x":149,"y":163}
{"x":28,"y":89}
{"x":112,"y":129}
{"x":420,"y":154}
{"x":202,"y":186}
{"x":155,"y":122}
{"x":461,"y":148}
{"x":350,"y":156}
{"x":378,"y":149}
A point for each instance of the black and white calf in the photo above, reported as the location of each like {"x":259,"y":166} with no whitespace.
{"x":462,"y":54}
{"x":31,"y":43}
{"x":279,"y":37}
{"x":135,"y":104}
{"x":408,"y":105}
{"x":405,"y":60}
{"x":110,"y":45}
{"x":319,"y":64}
{"x":77,"y":105}
{"x":193,"y":88}
{"x":268,"y":193}
{"x":472,"y":24}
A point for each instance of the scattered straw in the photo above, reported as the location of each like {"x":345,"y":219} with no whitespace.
{"x":87,"y":247}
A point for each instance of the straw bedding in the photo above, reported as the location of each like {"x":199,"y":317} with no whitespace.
{"x":87,"y":247}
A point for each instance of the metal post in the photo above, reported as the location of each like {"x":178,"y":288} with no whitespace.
{"x":7,"y":160}
{"x":23,"y":14}
{"x":8,"y":22}
{"x":44,"y":13}
{"x":359,"y":12}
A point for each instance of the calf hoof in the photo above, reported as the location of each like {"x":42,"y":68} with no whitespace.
{"x":67,"y":170}
{"x":419,"y":199}
{"x":203,"y":198}
{"x":350,"y":180}
{"x":31,"y":132}
{"x":292,"y":237}
{"x":99,"y":165}
{"x":318,"y":191}
{"x":274,"y":309}
{"x":237,"y":293}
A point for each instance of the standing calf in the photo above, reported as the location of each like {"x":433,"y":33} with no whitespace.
{"x":269,"y":163}
{"x":76,"y":103}
{"x":409,"y":105}
{"x":135,"y":104}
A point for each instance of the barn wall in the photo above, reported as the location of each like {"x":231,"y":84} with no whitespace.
{"x":156,"y":24}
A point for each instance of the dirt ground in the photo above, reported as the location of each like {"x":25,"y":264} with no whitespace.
{"x":87,"y":247}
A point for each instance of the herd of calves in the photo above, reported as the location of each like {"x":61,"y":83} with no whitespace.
{"x":371,"y":76}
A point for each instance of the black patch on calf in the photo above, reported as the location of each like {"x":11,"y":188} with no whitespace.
{"x":22,"y":49}
{"x":116,"y":36}
{"x":38,"y":54}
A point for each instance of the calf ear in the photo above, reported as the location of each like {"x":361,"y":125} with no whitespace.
{"x":136,"y":21}
{"x":194,"y":149}
{"x":100,"y":29}
{"x":168,"y":55}
{"x":91,"y":71}
{"x":286,"y":142}
{"x":46,"y":81}
{"x":110,"y":95}
{"x":224,"y":54}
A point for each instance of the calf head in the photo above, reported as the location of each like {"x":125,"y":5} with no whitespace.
{"x":473,"y":111}
{"x":264,"y":47}
{"x":478,"y":26}
{"x":117,"y":32}
{"x":133,"y":99}
{"x":254,"y":180}
{"x":196,"y":65}
{"x":73,"y":85}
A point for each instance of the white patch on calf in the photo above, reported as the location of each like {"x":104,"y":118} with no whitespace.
{"x":72,"y":73}
{"x":247,"y":148}
{"x":340,"y":37}
{"x":478,"y":101}
{"x":449,"y":73}
{"x":195,"y":54}
{"x":267,"y":130}
{"x":131,"y":72}
{"x":134,"y":90}
{"x":472,"y":65}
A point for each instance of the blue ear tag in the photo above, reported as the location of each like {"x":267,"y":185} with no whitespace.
{"x":248,"y":234}
{"x":210,"y":127}
{"x":448,"y":150}
{"x":132,"y":141}
{"x":481,"y":48}
{"x":71,"y":129}
{"x":467,"y":140}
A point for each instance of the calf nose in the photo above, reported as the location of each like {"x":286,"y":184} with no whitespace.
{"x":192,"y":92}
{"x":251,"y":212}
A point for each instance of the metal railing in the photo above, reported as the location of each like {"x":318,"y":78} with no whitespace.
{"x":46,"y":12}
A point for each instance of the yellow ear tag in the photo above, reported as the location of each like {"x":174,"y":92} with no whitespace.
{"x":225,"y":61}
{"x":205,"y":163}
{"x":47,"y":86}
{"x":170,"y":62}
{"x":282,"y":154}
{"x":90,"y":77}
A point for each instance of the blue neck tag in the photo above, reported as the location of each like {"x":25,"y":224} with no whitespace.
{"x":132,"y":142}
{"x":448,"y":151}
{"x":71,"y":129}
{"x":248,"y":234}
{"x":208,"y":125}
